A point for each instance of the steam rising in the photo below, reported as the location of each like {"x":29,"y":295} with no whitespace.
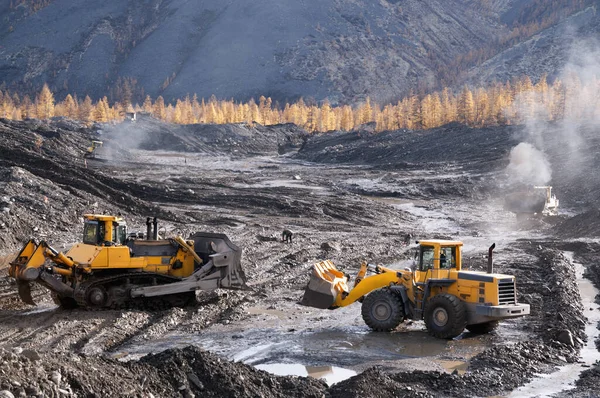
{"x":528,"y":165}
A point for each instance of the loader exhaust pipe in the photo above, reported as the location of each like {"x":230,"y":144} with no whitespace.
{"x":148,"y":229}
{"x":490,"y":267}
{"x":155,"y":231}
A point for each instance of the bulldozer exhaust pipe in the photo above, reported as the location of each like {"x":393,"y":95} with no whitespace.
{"x":490,"y":267}
{"x":155,"y":231}
{"x":148,"y":228}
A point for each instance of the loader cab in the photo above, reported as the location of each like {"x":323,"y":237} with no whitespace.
{"x":435,"y":258}
{"x":104,"y":230}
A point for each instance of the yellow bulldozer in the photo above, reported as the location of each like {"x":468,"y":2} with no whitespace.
{"x":436,"y":289}
{"x":109,"y":269}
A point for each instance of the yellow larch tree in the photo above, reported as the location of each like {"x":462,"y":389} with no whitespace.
{"x":45,"y":103}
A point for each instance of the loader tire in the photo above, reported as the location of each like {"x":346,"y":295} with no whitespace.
{"x":445,"y":316}
{"x":382,"y":310}
{"x":482,"y":328}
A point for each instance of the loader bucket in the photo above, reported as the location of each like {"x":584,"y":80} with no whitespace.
{"x":325,"y":285}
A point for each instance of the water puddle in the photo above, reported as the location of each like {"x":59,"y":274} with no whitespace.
{"x":40,"y":309}
{"x":338,"y":352}
{"x":330,"y":374}
{"x":298,"y":184}
{"x":565,"y":377}
{"x":454,"y":366}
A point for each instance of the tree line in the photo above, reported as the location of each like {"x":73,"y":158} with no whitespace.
{"x":500,"y":103}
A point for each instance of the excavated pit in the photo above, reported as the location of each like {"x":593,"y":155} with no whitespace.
{"x":347,"y":198}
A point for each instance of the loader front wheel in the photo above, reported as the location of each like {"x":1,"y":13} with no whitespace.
{"x":445,"y":316}
{"x":382,"y":310}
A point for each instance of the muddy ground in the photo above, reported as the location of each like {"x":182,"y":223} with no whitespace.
{"x":347,"y":197}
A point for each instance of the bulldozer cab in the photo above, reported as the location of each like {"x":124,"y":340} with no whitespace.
{"x":100,"y":230}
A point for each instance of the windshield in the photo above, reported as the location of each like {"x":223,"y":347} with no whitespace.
{"x":90,"y":232}
{"x":426,"y":258}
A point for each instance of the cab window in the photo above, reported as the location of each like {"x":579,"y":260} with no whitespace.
{"x":121,"y":234}
{"x":426,"y":258}
{"x":90,"y":232}
{"x":100,"y":232}
{"x":447,"y":257}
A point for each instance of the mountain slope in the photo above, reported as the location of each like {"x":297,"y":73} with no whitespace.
{"x":343,"y":50}
{"x":547,"y":52}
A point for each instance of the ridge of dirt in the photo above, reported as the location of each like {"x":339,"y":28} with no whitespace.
{"x":586,"y":224}
{"x":237,"y":140}
{"x":206,"y":374}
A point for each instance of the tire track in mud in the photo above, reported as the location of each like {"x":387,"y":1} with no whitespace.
{"x":215,"y":307}
{"x":123,"y":328}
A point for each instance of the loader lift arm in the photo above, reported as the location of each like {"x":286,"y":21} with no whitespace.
{"x":324,"y":289}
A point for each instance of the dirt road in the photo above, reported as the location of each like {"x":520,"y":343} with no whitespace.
{"x":347,"y":198}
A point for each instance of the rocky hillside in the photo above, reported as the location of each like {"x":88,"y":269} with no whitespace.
{"x":568,"y":43}
{"x":343,"y":50}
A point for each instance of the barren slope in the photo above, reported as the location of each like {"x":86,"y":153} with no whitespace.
{"x":341,"y":49}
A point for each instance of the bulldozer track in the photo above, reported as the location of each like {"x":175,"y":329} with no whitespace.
{"x":126,"y":282}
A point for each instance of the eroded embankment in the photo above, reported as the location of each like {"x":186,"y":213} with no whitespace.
{"x":587,"y":253}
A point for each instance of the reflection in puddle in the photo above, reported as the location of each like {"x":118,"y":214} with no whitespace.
{"x":330,"y":374}
{"x":452,"y":366}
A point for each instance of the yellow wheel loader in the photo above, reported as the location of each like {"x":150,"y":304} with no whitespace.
{"x":92,"y":150}
{"x":110,"y":270}
{"x":437,"y":290}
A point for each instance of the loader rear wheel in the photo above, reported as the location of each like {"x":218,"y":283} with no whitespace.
{"x":482,"y":328}
{"x":445,"y":316}
{"x":382,"y":310}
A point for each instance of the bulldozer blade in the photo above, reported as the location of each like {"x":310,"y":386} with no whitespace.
{"x":24,"y":289}
{"x":325,"y":285}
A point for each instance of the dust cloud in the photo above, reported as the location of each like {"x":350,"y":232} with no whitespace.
{"x":124,"y":137}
